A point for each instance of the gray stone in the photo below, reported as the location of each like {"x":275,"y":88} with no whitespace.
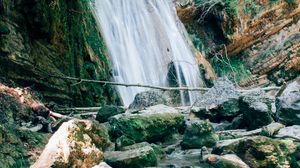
{"x":102,"y":165}
{"x":222,"y":100}
{"x":288,"y":108}
{"x":257,"y":109}
{"x":149,"y":98}
{"x":289,"y":132}
{"x":292,"y":87}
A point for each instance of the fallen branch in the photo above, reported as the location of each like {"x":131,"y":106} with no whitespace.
{"x":85,"y":114}
{"x":60,"y":116}
{"x":150,"y":86}
{"x":80,"y":109}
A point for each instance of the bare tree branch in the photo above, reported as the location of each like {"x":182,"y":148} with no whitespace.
{"x":150,"y":86}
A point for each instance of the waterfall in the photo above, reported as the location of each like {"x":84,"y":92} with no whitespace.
{"x":143,"y":38}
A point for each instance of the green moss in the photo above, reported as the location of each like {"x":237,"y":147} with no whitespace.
{"x":199,"y":134}
{"x":61,"y":38}
{"x":146,"y":127}
{"x":264,"y":152}
{"x":123,"y":141}
{"x":159,"y":151}
{"x":98,"y":134}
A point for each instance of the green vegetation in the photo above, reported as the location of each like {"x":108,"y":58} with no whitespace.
{"x":235,"y":69}
{"x":61,"y":38}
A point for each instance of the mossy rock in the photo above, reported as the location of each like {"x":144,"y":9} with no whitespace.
{"x":97,"y":132}
{"x":260,"y":151}
{"x":151,"y":127}
{"x":108,"y":111}
{"x":137,"y":158}
{"x":123,"y":141}
{"x":199,"y":134}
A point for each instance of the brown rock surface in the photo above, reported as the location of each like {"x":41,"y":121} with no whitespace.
{"x":265,"y":35}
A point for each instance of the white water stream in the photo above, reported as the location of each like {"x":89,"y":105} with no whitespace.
{"x":143,"y":37}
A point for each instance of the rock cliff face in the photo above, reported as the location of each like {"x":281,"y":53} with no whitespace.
{"x":53,"y":37}
{"x":262,"y":35}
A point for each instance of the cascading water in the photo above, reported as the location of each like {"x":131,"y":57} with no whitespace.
{"x":143,"y":37}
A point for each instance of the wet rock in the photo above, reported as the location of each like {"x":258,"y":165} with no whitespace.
{"x":257,"y":109}
{"x":289,"y":132}
{"x":148,"y":98}
{"x":107,"y":111}
{"x":199,"y":134}
{"x":288,"y":108}
{"x":226,"y":161}
{"x":259,"y":151}
{"x":102,"y":165}
{"x":221,"y":101}
{"x":140,"y":157}
{"x":153,"y":124}
{"x":77,"y":143}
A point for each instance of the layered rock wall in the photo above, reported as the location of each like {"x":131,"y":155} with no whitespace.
{"x":263,"y":35}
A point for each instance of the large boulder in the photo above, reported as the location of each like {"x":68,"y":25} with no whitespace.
{"x":259,"y":151}
{"x":288,"y":105}
{"x":199,"y":134}
{"x":138,"y":158}
{"x":77,"y":143}
{"x":152,"y":124}
{"x":149,"y":98}
{"x":221,"y":101}
{"x":257,"y":109}
{"x":107,"y":111}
